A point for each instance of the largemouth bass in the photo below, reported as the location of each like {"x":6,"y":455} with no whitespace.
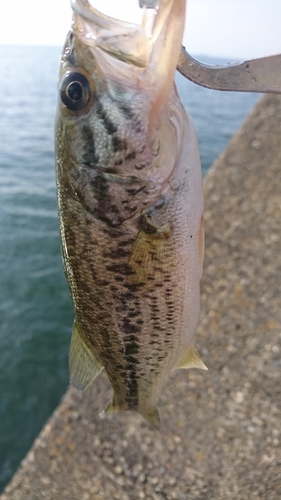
{"x":130,"y":203}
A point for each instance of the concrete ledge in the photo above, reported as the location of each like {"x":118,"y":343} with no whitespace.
{"x":221,"y":430}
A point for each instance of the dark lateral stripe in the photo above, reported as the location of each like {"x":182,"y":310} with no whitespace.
{"x":131,"y":359}
{"x":126,"y":110}
{"x":117,"y":143}
{"x":89,"y":156}
{"x":108,"y":124}
{"x":130,"y":115}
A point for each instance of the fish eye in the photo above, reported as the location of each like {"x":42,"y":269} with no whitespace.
{"x":74,"y":91}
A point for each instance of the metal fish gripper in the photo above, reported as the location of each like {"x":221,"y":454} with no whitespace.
{"x":255,"y":75}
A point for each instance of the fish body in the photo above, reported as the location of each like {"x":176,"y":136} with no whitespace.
{"x":130,"y":203}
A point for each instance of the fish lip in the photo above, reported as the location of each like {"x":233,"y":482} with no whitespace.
{"x":84,"y":9}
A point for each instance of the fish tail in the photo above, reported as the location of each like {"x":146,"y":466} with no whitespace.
{"x":150,"y":414}
{"x":111,"y":407}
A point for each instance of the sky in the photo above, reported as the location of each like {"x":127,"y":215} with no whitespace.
{"x":239,"y":29}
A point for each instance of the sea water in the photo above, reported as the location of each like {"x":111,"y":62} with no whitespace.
{"x":36,"y":313}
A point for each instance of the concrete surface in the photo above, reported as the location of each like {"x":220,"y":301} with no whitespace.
{"x":220,"y":436}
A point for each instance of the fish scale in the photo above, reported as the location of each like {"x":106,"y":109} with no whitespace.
{"x":130,"y":207}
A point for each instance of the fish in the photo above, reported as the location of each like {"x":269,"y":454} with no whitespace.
{"x":130,"y":203}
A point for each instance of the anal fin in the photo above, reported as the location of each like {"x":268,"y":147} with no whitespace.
{"x":84,"y":366}
{"x":190,"y":359}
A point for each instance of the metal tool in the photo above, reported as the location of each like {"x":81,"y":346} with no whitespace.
{"x":255,"y":75}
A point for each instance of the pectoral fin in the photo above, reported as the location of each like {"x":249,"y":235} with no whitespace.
{"x":190,"y":359}
{"x":148,"y":255}
{"x":84,"y":366}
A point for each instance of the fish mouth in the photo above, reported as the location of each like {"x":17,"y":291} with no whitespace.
{"x":128,"y":42}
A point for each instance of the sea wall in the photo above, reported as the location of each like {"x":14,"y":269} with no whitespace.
{"x":221,"y":430}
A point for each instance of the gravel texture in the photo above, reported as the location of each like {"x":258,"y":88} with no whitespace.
{"x":220,"y":435}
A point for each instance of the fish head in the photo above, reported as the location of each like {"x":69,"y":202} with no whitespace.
{"x":149,"y":50}
{"x":114,"y":84}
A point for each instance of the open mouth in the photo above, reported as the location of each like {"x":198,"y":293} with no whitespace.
{"x":130,"y":11}
{"x":126,"y":41}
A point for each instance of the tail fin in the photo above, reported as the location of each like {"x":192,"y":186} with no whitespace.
{"x":150,"y":414}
